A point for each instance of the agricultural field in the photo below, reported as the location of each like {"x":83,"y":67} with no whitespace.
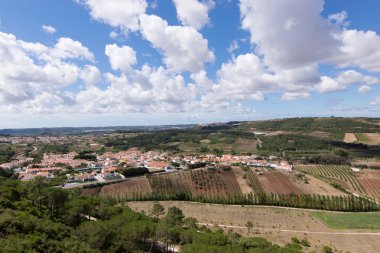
{"x":277,"y":224}
{"x":319,"y":187}
{"x":341,"y":175}
{"x":277,"y":182}
{"x":350,"y":138}
{"x":369,"y":138}
{"x":370,"y":180}
{"x":370,"y":221}
{"x":129,"y":189}
{"x":254,"y":182}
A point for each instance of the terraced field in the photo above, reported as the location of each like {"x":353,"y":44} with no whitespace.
{"x":335,"y":172}
{"x":370,"y":180}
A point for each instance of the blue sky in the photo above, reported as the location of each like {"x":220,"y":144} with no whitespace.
{"x":141,"y":62}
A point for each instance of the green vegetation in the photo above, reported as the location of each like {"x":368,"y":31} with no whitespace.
{"x":331,"y":125}
{"x":362,"y":137}
{"x":328,"y":172}
{"x":37,"y":218}
{"x":6,"y":154}
{"x":132,"y":172}
{"x":350,"y":220}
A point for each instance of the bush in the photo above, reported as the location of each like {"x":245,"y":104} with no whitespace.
{"x":327,"y":249}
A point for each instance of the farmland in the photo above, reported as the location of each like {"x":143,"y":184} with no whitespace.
{"x":350,"y":138}
{"x":221,"y":186}
{"x":341,"y":175}
{"x":277,"y":182}
{"x":370,"y":180}
{"x":350,"y":220}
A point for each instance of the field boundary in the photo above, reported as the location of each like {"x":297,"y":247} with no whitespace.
{"x":292,"y":231}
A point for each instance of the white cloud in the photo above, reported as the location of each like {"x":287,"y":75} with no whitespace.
{"x":288,"y":96}
{"x":344,"y":80}
{"x":289,"y":33}
{"x":193,"y":12}
{"x":90,"y":75}
{"x":114,"y":35}
{"x":233,"y":47}
{"x":48,"y":29}
{"x":364,"y":89}
{"x":359,"y":48}
{"x":29,"y":69}
{"x":376,"y":101}
{"x":183,"y":48}
{"x":121,"y":58}
{"x":67,"y":48}
{"x":117,"y":13}
{"x":340,"y":18}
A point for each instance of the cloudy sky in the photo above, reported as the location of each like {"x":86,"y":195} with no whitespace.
{"x":144,"y":62}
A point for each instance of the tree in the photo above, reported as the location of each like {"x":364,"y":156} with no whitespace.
{"x":174,"y":216}
{"x":249,"y":225}
{"x":190,"y":222}
{"x":157,"y":210}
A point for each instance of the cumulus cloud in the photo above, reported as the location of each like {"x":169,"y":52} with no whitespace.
{"x":344,"y":80}
{"x":117,"y":13}
{"x":48,"y":29}
{"x":183,"y":48}
{"x":359,"y":48}
{"x":121,"y":58}
{"x":296,"y":33}
{"x":28,"y":69}
{"x":193,"y":12}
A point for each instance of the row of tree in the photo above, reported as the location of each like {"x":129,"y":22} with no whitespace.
{"x":347,"y":203}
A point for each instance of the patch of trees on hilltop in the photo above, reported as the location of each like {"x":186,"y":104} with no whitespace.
{"x":332,"y":125}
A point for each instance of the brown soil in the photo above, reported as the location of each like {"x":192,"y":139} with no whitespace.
{"x":127,"y":188}
{"x":374,"y":138}
{"x":350,"y":138}
{"x":316,"y":186}
{"x":278,"y":182}
{"x":239,"y":173}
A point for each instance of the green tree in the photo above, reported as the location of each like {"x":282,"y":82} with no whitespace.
{"x":157,"y":210}
{"x":174,"y":216}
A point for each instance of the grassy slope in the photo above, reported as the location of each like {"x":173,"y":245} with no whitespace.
{"x":350,"y":220}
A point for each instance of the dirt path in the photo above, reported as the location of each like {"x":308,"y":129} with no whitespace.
{"x":239,"y":173}
{"x":293,"y":231}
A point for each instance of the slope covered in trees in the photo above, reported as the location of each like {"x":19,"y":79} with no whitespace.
{"x":35,"y":217}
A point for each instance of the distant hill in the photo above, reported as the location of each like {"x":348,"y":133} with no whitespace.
{"x":86,"y":130}
{"x":332,"y":125}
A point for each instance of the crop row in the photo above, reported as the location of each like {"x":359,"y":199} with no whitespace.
{"x":254,"y":182}
{"x":333,"y":171}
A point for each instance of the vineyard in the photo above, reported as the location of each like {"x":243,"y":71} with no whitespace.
{"x":254,"y":182}
{"x":371,"y":183}
{"x":221,"y":187}
{"x":128,"y":189}
{"x":277,"y":182}
{"x":335,"y":172}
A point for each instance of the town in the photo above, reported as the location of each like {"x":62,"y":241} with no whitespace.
{"x":105,"y":167}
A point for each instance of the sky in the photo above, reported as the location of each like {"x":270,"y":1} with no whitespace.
{"x":149,"y":62}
